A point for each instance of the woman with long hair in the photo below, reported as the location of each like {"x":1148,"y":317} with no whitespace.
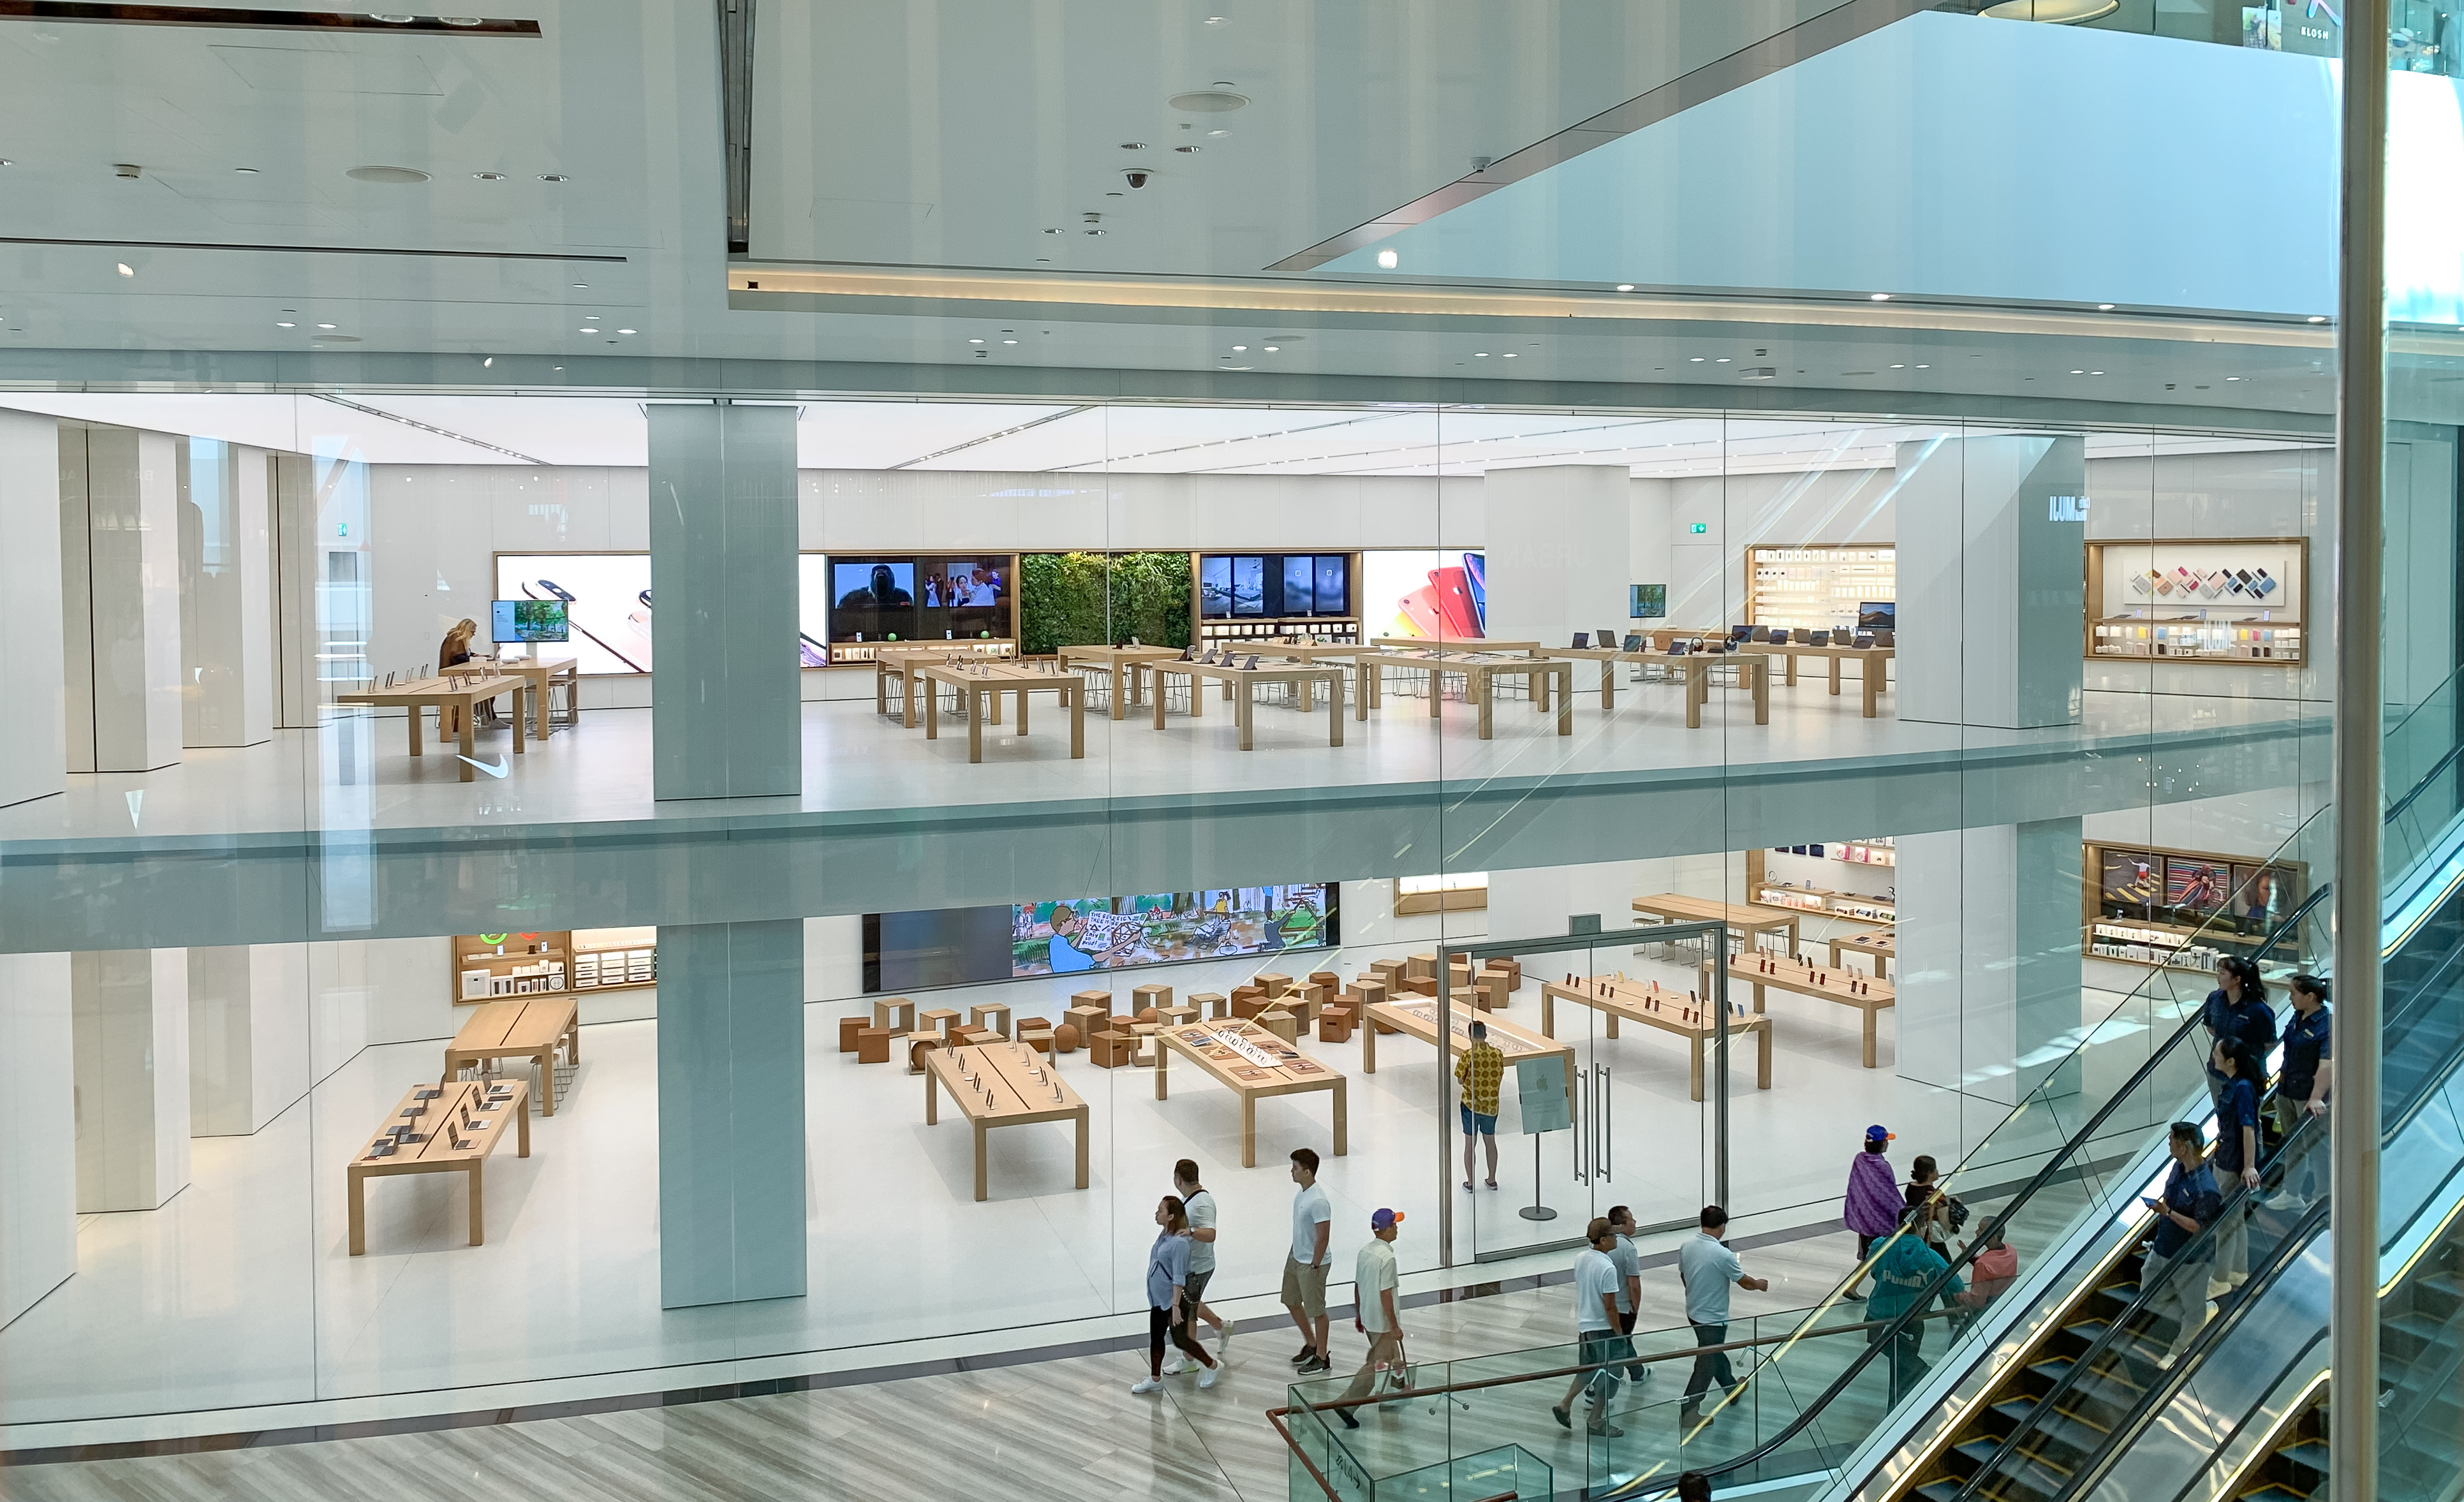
{"x":1167,"y":1289}
{"x":2236,"y":1015}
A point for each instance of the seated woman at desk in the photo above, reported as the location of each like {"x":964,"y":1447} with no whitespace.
{"x":453,"y":652}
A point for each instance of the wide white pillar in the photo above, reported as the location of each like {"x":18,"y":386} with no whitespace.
{"x":248,"y":1035}
{"x":1988,"y":956}
{"x":34,"y":754}
{"x":1992,"y":539}
{"x":1559,"y":542}
{"x":226,"y":595}
{"x":726,"y":708}
{"x":38,"y":1177}
{"x":730,"y":1112}
{"x":120,"y":597}
{"x":130,"y":1008}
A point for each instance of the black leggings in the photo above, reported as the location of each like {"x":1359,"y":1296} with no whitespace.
{"x":1160,"y":1325}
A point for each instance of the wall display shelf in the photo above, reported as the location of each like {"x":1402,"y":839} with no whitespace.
{"x":2238,"y":600}
{"x":490,"y":967}
{"x":1264,"y":596}
{"x":1305,"y":628}
{"x":1819,"y":589}
{"x":1787,"y":888}
{"x":2181,"y":910}
{"x":1457,"y":892}
{"x":851,"y":655}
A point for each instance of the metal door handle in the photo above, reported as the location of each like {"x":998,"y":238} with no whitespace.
{"x":1581,"y":1145}
{"x":1608,"y":1127}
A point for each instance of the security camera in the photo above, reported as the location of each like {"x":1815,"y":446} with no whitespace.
{"x":1137,"y":176}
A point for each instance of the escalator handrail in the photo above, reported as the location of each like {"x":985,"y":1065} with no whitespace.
{"x":2074,"y":1148}
{"x":2191,"y":1261}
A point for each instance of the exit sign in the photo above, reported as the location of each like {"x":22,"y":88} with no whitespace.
{"x":1699,"y":527}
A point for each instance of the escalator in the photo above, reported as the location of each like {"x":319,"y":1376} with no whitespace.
{"x":2291,"y":1465}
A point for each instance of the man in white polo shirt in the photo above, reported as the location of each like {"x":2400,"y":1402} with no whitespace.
{"x":1304,"y":1266}
{"x":1709,"y":1269}
{"x":1373,"y":1277}
{"x":1597,"y":1283}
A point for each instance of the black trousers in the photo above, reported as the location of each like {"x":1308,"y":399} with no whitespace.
{"x":1711,"y":1366}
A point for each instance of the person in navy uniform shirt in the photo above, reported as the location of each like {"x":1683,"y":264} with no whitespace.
{"x":2308,"y":1076}
{"x":2188,"y":1205}
{"x":2236,"y":1156}
{"x":2238,"y":1009}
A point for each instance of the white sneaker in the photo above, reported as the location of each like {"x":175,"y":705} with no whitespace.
{"x":1206,"y":1376}
{"x":1174,"y":1364}
{"x":1151,"y":1384}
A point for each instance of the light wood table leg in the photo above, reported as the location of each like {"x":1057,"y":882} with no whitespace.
{"x":917,"y":680}
{"x":1197,"y":699}
{"x":978,"y":1124}
{"x":1610,"y":1018}
{"x":1159,"y":692}
{"x":1875,"y":673}
{"x":1698,"y":688}
{"x":1342,"y":1119}
{"x":1360,"y":691}
{"x":1481,"y":686}
{"x":1246,"y":709}
{"x":465,"y":738}
{"x":1869,"y":1035}
{"x":1438,"y":689}
{"x":540,"y":689}
{"x":1249,"y":1130}
{"x":1791,"y":669}
{"x":932,"y":708}
{"x":1758,"y":998}
{"x":522,"y":1127}
{"x":976,"y":697}
{"x":419,"y":713}
{"x":1082,"y":1147}
{"x":1608,"y":684}
{"x":359,"y":1213}
{"x":1162,"y":1068}
{"x":990,"y":703}
{"x":1077,"y":698}
{"x":1368,"y":1043}
{"x":1306,"y":686}
{"x":1695,"y":1074}
{"x":519,"y":736}
{"x":1334,"y":708}
{"x":1021,"y":711}
{"x":881,"y":687}
{"x":1565,"y":678}
{"x":932,"y":1097}
{"x":1548,"y":1013}
{"x":546,"y":1063}
{"x":1125,"y":688}
{"x":1834,"y":676}
{"x":1762,"y":1057}
{"x":478,"y":1198}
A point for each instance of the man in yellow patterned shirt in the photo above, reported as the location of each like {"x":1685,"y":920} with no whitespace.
{"x":1478,"y":1070}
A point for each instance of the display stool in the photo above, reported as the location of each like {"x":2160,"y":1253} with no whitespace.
{"x":1090,"y":1020}
{"x":872,"y":1046}
{"x":1248,"y":1000}
{"x":971,"y":1037}
{"x":1276,"y":984}
{"x":1364,"y":993}
{"x":1216,"y":1005}
{"x":1334,"y":1024}
{"x":1333,"y":982}
{"x":1282,"y":1023}
{"x":1152,"y":995}
{"x":1173,"y":1016}
{"x":1065,"y":1038}
{"x":1418,"y":967}
{"x":938,"y":1020}
{"x":990,"y":1014}
{"x":1038,"y":1036}
{"x":1489,"y":991}
{"x":1101,"y":1001}
{"x":1304,"y":998}
{"x":1388,"y":973}
{"x":1109,"y":1050}
{"x":918,"y":1044}
{"x":849,"y":1027}
{"x":1511,"y":969}
{"x":894,"y":1016}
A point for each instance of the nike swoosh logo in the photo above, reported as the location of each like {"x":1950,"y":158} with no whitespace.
{"x":501,"y":767}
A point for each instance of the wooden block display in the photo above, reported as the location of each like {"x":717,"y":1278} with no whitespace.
{"x":1334,"y":1025}
{"x":1248,"y":1000}
{"x":1282,"y":1023}
{"x":1110,"y":1051}
{"x":990,"y":1014}
{"x":1511,"y":969}
{"x":1216,"y":1005}
{"x":938,"y":1020}
{"x":1491,"y":991}
{"x":1333,"y":982}
{"x":1173,"y":1016}
{"x":1388,"y":973}
{"x":895,"y":1016}
{"x":918,"y":1044}
{"x":1275,"y":984}
{"x":1153,"y":995}
{"x":1065,"y":1038}
{"x":1039,"y":1035}
{"x":872,"y":1046}
{"x":1090,"y":1019}
{"x":1100,"y":1001}
{"x":849,"y":1027}
{"x":1416,"y":968}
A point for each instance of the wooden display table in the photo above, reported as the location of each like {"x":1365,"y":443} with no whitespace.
{"x":1882,"y":946}
{"x":1258,"y":1066}
{"x":1875,"y":666}
{"x":1420,"y":1019}
{"x":463,"y":692}
{"x":541,"y":673}
{"x":997,"y":1085}
{"x":897,"y":662}
{"x":528,"y":1028}
{"x":440,"y":1124}
{"x":1244,"y":699}
{"x":1696,"y":668}
{"x":1843,"y":986}
{"x":1479,"y":672}
{"x":1123,"y":663}
{"x":984,"y":683}
{"x":1692,"y":1018}
{"x":1671,"y":907}
{"x":1442,"y":643}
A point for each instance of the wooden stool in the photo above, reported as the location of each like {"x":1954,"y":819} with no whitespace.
{"x":849,"y":1027}
{"x":1388,"y":973}
{"x":1282,"y":1023}
{"x":1152,"y":995}
{"x":1334,"y":1024}
{"x":918,"y":1044}
{"x":1304,"y":1001}
{"x":1511,"y":969}
{"x":895,"y":1016}
{"x":1333,"y":982}
{"x":1362,"y":994}
{"x":971,"y":1037}
{"x":872,"y":1046}
{"x":1248,"y":1000}
{"x":1276,"y":984}
{"x":1039,"y":1036}
{"x":1491,"y":989}
{"x":1110,"y":1051}
{"x":1418,"y":967}
{"x":1175,"y":1016}
{"x":1090,"y":1019}
{"x":1216,"y":1004}
{"x":938,"y":1020}
{"x":990,"y":1014}
{"x":1101,"y":1001}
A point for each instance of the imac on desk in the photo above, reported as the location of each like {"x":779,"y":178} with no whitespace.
{"x":521,"y":623}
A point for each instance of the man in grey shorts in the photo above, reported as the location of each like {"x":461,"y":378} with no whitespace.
{"x":1304,"y":1264}
{"x":1200,"y":1206}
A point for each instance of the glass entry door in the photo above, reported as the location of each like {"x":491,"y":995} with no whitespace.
{"x":1609,"y":1053}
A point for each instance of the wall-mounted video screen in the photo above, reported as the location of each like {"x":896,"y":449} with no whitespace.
{"x":1878,"y":615}
{"x":607,"y":600}
{"x":2190,"y":889}
{"x":1416,"y":592}
{"x":965,"y":947}
{"x":1273,"y":584}
{"x":919,"y":597}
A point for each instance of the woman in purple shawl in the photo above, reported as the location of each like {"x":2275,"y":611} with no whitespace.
{"x":1874,"y":1199}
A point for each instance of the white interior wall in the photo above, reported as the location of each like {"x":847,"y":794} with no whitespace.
{"x":37,"y":1121}
{"x":33,"y":756}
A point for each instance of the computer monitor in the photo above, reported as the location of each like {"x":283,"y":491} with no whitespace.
{"x":528,"y":621}
{"x":1878,"y":615}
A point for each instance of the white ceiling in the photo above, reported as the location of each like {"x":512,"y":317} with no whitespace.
{"x":1054,"y":438}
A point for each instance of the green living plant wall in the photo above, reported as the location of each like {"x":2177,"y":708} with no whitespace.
{"x":1079,"y":599}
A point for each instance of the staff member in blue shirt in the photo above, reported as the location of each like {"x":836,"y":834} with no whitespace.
{"x":2309,"y":1075}
{"x":2238,"y":1010}
{"x":1903,"y":1271}
{"x":2189,"y":1204}
{"x":2237,"y":1157}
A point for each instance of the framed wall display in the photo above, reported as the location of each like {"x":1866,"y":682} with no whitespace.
{"x":2218,"y":600}
{"x":1819,"y":589}
{"x":2181,"y":910}
{"x":919,"y":597}
{"x":1456,"y":891}
{"x":490,"y":967}
{"x":1646,"y":601}
{"x":1266,"y":595}
{"x":1852,"y":879}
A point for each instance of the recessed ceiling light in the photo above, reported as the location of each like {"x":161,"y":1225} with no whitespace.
{"x":1273,"y":348}
{"x":398,"y":175}
{"x":1694,"y":360}
{"x":2317,"y":318}
{"x":459,"y":20}
{"x":1217,"y":100}
{"x":1189,"y":150}
{"x":1216,"y":20}
{"x":2095,"y":372}
{"x":555,"y":177}
{"x":124,"y":269}
{"x":1881,"y":297}
{"x":1509,"y":355}
{"x":1925,"y":367}
{"x":279,"y":323}
{"x":1724,"y":360}
{"x":581,"y":286}
{"x":1218,"y":132}
{"x":1388,"y":261}
{"x":1010,"y":342}
{"x":624,"y":331}
{"x":1479,"y":354}
{"x":1899,"y":367}
{"x":1240,"y":349}
{"x":1053,"y":231}
{"x":587,"y":329}
{"x":487,"y":363}
{"x":489,"y":177}
{"x":1625,"y":286}
{"x":1133,"y":145}
{"x":1094,"y":232}
{"x":325,"y":325}
{"x":2079,"y":372}
{"x":2233,"y":378}
{"x":2105,"y":307}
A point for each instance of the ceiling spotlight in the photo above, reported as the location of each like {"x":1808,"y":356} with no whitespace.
{"x":1053,"y":231}
{"x":1218,"y":132}
{"x":624,"y":331}
{"x":581,"y":286}
{"x":1010,"y":342}
{"x":489,"y":177}
{"x":554,"y":177}
{"x":5,"y":162}
{"x":1388,"y":261}
{"x":487,"y":362}
{"x":280,"y":325}
{"x":1217,"y":100}
{"x":2105,"y":307}
{"x":1479,"y":354}
{"x":2233,"y":378}
{"x":250,"y":170}
{"x":1272,"y":348}
{"x":975,"y":341}
{"x":1133,"y":145}
{"x":1216,"y":20}
{"x":2079,"y":372}
{"x":1625,"y":286}
{"x":1189,"y":150}
{"x":1899,"y":367}
{"x":1240,"y":349}
{"x":1880,"y":297}
{"x":1509,"y":355}
{"x":588,"y":329}
{"x":2317,"y":318}
{"x":324,"y":326}
{"x":1090,"y":231}
{"x":124,"y":269}
{"x":459,"y":20}
{"x":1694,"y":360}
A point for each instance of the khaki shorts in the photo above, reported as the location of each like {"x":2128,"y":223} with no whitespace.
{"x":1304,"y":1286}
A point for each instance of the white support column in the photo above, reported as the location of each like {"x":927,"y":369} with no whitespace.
{"x":120,"y":597}
{"x":1559,"y":542}
{"x":1988,"y":963}
{"x":131,"y":1011}
{"x":226,"y":595}
{"x":1992,"y":580}
{"x":34,"y":754}
{"x":38,"y":1178}
{"x":248,"y":1035}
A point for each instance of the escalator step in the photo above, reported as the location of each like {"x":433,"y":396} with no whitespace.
{"x":2310,"y":1454}
{"x":1981,"y":1451}
{"x":2052,"y":1369}
{"x":2065,"y":1437}
{"x":2272,"y":1492}
{"x":1939,"y":1490}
